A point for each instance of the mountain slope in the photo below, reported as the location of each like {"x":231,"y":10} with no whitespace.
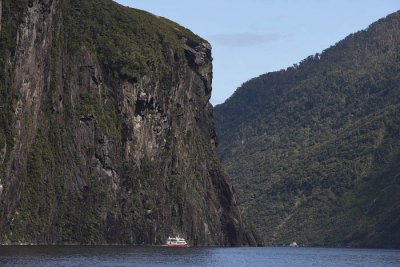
{"x":314,"y":149}
{"x":106,"y":132}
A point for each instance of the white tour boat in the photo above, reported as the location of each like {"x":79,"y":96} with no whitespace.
{"x":176,"y":242}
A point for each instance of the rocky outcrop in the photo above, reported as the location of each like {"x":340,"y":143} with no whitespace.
{"x":112,"y":134}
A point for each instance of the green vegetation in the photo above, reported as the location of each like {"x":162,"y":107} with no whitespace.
{"x":314,"y":149}
{"x":43,"y":194}
{"x":127,"y":42}
{"x":108,"y":121}
{"x":37,"y":199}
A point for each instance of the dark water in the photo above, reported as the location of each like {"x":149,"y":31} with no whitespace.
{"x":159,"y":256}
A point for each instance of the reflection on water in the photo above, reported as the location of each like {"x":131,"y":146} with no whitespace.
{"x":162,"y":256}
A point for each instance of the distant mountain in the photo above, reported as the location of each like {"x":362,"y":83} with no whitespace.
{"x":314,"y":150}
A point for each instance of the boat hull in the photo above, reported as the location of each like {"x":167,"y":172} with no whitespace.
{"x":176,"y":245}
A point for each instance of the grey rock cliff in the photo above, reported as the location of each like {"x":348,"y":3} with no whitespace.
{"x":110,"y":152}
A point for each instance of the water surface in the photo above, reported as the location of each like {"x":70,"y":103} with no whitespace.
{"x":161,"y":256}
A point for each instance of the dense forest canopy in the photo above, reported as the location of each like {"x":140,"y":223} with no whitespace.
{"x":314,"y":150}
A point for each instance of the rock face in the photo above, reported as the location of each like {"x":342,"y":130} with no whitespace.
{"x":107,"y":133}
{"x":1,"y":5}
{"x":314,"y":150}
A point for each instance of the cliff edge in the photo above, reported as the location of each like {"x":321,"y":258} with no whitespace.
{"x":106,"y":129}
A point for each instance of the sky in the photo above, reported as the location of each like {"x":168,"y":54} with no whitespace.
{"x":253,"y":37}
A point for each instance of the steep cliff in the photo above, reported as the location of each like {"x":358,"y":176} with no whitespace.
{"x":315,"y":149}
{"x":106,"y":129}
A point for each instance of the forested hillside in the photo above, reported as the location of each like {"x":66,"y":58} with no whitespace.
{"x":314,"y":150}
